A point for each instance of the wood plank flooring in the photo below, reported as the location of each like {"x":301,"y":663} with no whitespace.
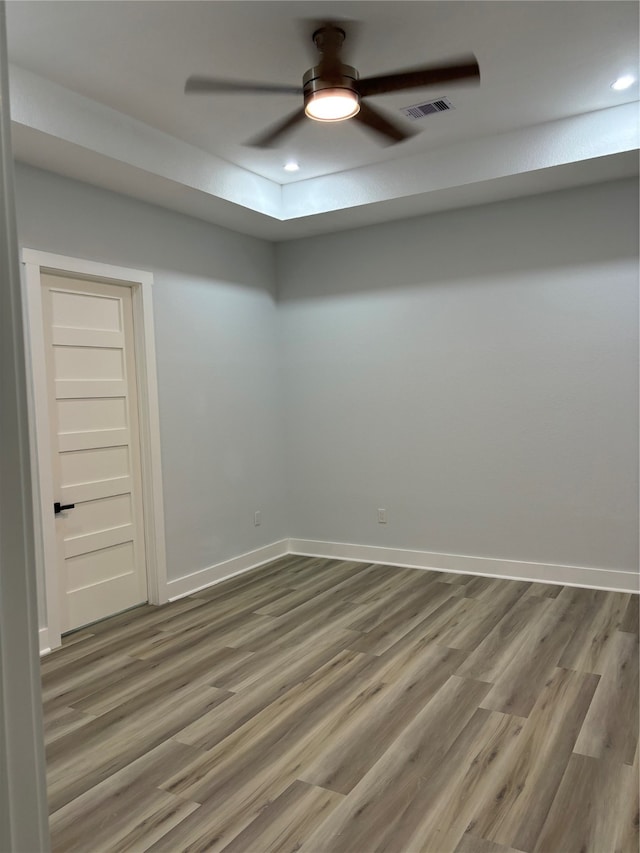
{"x":336,"y":707}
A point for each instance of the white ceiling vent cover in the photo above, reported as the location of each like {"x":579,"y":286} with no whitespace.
{"x":440,"y":105}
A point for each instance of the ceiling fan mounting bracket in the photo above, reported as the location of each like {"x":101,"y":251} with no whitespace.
{"x":328,"y":38}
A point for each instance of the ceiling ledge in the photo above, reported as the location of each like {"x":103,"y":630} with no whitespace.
{"x":67,"y":133}
{"x":43,"y":106}
{"x":82,"y":164}
{"x":558,"y":143}
{"x":612,"y":168}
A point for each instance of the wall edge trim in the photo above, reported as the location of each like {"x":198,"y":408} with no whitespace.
{"x":211,"y":575}
{"x":43,"y":636}
{"x":590,"y":578}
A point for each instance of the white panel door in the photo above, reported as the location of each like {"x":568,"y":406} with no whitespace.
{"x":88,"y":328}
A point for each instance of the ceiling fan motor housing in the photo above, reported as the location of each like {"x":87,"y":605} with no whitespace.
{"x":314,"y":81}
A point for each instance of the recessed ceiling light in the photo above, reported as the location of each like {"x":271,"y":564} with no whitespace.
{"x":623,"y":82}
{"x":291,"y":166}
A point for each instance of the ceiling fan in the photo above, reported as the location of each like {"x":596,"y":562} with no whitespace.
{"x":333,"y":91}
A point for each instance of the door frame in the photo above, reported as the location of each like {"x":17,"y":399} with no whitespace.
{"x":140,"y":282}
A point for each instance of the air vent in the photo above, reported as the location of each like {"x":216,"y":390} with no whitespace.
{"x":440,"y":105}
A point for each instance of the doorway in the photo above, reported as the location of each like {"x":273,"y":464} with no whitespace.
{"x":95,"y":441}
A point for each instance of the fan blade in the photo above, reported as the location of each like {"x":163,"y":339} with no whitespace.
{"x":212,"y":85}
{"x":272,"y":135}
{"x":413,"y":78}
{"x":374,"y":120}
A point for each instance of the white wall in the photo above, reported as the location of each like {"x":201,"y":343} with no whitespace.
{"x":215,"y":319}
{"x":23,"y":791}
{"x":473,"y":372}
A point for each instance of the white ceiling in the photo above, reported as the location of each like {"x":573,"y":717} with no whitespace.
{"x":97,"y":93}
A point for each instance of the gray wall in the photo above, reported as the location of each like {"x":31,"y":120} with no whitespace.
{"x":473,"y":372}
{"x":215,"y":318}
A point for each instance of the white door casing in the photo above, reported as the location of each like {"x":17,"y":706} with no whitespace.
{"x":89,"y":470}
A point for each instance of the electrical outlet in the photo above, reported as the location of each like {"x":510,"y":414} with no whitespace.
{"x":382,"y":516}
{"x":257,"y":518}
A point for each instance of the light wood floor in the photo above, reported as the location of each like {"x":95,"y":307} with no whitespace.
{"x":326,"y":706}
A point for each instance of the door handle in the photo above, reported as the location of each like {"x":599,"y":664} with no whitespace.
{"x":58,"y":507}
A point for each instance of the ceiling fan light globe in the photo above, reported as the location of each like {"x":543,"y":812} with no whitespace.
{"x":332,"y":104}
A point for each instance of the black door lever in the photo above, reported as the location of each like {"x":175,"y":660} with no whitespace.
{"x":58,"y":507}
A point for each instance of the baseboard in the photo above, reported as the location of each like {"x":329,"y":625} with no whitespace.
{"x":612,"y":580}
{"x":43,"y":635}
{"x":606,"y":579}
{"x":222,"y":571}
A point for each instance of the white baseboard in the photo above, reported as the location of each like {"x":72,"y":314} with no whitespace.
{"x":607,"y":579}
{"x":222,"y":571}
{"x":43,"y":634}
